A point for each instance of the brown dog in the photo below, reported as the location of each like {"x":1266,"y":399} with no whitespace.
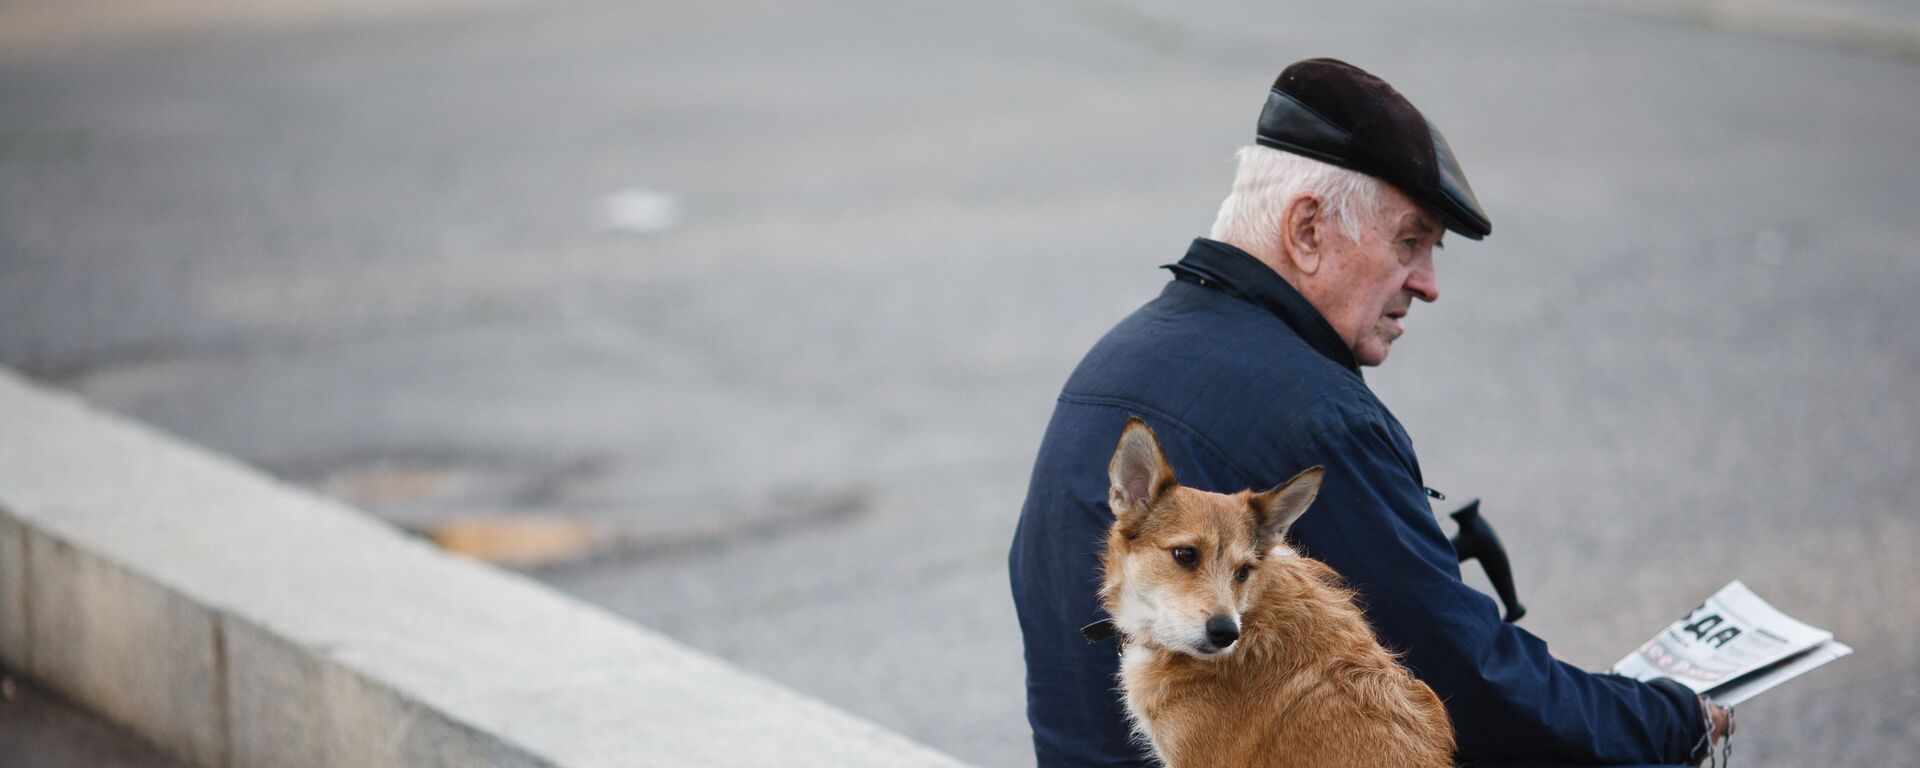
{"x":1236,"y":650}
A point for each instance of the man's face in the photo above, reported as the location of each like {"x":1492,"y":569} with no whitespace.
{"x":1367,"y":285}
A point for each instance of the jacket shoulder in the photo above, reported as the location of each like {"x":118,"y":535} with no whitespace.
{"x":1229,"y":373}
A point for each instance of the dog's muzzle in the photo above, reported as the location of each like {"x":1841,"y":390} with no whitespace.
{"x":1221,"y":632}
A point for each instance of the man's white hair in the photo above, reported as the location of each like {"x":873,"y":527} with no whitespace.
{"x":1267,"y":178}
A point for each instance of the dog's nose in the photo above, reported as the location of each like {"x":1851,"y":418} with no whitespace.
{"x":1222,"y":631}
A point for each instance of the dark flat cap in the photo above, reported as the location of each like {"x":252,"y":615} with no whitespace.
{"x":1335,"y":112}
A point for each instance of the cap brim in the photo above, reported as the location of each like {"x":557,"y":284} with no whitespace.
{"x":1453,"y":199}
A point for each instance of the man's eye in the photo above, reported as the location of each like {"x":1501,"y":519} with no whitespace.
{"x":1243,"y":573}
{"x":1411,"y":243}
{"x":1186,"y":556}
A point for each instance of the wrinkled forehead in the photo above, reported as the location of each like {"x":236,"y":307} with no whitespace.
{"x":1423,"y":222}
{"x":1402,"y":216}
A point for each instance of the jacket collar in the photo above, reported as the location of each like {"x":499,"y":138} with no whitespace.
{"x":1214,"y":264}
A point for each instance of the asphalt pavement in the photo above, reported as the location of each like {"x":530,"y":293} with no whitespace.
{"x":774,"y":298}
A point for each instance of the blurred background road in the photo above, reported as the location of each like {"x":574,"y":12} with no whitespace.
{"x":750,"y":314}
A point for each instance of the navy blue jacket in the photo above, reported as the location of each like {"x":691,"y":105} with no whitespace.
{"x":1246,"y":384}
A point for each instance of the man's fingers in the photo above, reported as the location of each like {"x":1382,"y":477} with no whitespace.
{"x":1722,"y":722}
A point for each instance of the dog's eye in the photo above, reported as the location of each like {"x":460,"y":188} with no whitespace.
{"x":1186,"y":556}
{"x":1243,"y":573}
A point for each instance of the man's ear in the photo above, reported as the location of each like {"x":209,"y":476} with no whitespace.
{"x":1276,"y":510}
{"x":1139,"y":473}
{"x":1301,"y":233}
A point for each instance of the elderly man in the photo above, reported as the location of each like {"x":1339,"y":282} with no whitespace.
{"x":1247,"y":366}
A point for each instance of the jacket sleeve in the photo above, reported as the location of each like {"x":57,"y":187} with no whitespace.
{"x":1508,"y":697}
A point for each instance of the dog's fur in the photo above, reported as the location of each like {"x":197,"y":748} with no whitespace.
{"x":1305,"y":683}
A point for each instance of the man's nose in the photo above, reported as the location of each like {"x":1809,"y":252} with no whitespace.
{"x":1425,"y":281}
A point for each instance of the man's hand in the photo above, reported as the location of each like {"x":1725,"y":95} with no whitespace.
{"x":1721,"y":721}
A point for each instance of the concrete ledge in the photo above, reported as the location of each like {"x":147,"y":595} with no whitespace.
{"x":239,"y":622}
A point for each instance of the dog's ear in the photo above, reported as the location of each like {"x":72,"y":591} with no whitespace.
{"x":1139,"y":473}
{"x":1275,"y":510}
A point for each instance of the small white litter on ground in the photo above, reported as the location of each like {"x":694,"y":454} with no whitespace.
{"x":639,"y":210}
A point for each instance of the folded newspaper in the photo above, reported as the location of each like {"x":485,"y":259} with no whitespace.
{"x":1732,"y":648}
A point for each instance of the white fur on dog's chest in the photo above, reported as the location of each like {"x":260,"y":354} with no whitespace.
{"x":1133,"y":661}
